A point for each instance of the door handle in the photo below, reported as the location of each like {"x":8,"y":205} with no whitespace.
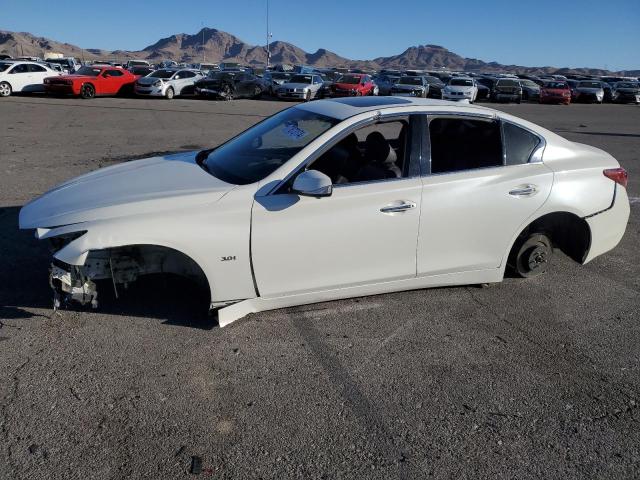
{"x":523,"y":191}
{"x":398,"y":207}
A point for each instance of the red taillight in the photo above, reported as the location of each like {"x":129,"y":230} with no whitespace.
{"x":618,"y":175}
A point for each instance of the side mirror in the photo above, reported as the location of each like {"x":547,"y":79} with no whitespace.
{"x":313,"y":183}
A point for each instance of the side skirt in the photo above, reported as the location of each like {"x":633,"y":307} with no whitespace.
{"x":241,"y":309}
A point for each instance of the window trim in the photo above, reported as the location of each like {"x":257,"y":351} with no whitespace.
{"x":535,"y":157}
{"x":378,"y":118}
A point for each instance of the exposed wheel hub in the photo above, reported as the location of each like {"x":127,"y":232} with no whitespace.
{"x":538,"y":258}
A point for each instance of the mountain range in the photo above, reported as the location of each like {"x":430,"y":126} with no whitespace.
{"x":218,"y":46}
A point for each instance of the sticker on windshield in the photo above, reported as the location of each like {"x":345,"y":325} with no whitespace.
{"x":293,"y":131}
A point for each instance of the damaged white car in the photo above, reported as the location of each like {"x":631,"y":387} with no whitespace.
{"x":334,"y":199}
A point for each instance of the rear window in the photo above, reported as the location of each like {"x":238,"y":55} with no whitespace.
{"x":464,"y":144}
{"x":519,"y":143}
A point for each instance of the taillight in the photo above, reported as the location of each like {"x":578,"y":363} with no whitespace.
{"x":618,"y":175}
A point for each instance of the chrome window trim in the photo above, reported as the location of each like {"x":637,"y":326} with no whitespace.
{"x":375,"y":118}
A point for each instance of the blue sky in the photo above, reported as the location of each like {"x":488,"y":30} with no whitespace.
{"x":570,"y":33}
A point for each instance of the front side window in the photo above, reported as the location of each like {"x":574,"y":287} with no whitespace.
{"x":459,"y":144}
{"x":372,"y":153}
{"x":114,"y":73}
{"x":259,"y":151}
{"x":519,"y":144}
{"x":20,"y":68}
{"x":89,"y":71}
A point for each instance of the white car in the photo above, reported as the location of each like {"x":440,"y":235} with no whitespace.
{"x":20,"y":76}
{"x":168,"y":82}
{"x":334,"y":199}
{"x":461,"y":88}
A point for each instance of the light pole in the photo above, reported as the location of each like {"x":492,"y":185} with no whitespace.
{"x":203,"y":51}
{"x":269,"y":35}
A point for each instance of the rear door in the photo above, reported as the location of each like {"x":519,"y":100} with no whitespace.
{"x":478,"y":192}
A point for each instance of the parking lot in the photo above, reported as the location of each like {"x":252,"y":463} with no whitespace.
{"x":535,"y":378}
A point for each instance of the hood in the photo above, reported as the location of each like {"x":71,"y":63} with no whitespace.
{"x":141,"y":186}
{"x":150,"y":80}
{"x":296,"y":85}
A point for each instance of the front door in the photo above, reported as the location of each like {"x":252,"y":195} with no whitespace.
{"x":364,"y":233}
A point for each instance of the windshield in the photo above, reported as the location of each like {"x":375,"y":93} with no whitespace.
{"x":59,"y":61}
{"x":618,"y":85}
{"x":280,"y":76}
{"x":350,"y":79}
{"x":4,"y":66}
{"x":528,"y":83}
{"x":561,"y":85}
{"x":461,"y":82}
{"x":89,"y":71}
{"x":433,"y":80}
{"x":300,"y":79}
{"x":410,"y":81}
{"x":507,"y":83}
{"x":590,"y":85}
{"x":162,"y":74}
{"x":259,"y":151}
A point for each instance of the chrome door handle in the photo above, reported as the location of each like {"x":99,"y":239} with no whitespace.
{"x":523,"y":191}
{"x":398,"y":207}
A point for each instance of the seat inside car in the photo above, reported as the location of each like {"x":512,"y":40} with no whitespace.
{"x":380,"y":159}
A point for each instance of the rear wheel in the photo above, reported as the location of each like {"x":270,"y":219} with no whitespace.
{"x":227,"y":94}
{"x":257,"y":92}
{"x":532,"y":255}
{"x":169,"y":94}
{"x":87,"y":91}
{"x":5,"y":89}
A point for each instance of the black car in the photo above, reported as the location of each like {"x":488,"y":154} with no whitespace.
{"x":530,"y":90}
{"x":141,"y":70}
{"x":488,"y":82}
{"x":435,"y":86}
{"x":229,"y":85}
{"x":626,"y":92}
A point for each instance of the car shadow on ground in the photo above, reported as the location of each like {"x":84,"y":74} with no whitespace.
{"x":24,"y":269}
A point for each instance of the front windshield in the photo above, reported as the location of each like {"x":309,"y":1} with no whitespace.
{"x":433,"y":80}
{"x":618,"y":85}
{"x":507,"y":83}
{"x":280,"y":76}
{"x":162,"y":74}
{"x":349,"y":79}
{"x":410,"y":81}
{"x":259,"y":151}
{"x":89,"y":71}
{"x":301,"y":79}
{"x":461,"y":82}
{"x":4,"y":66}
{"x":561,"y":85}
{"x":528,"y":83}
{"x":590,"y":85}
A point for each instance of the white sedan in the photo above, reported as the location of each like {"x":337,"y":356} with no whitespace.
{"x":461,"y":89}
{"x":19,"y":76}
{"x":338,"y":198}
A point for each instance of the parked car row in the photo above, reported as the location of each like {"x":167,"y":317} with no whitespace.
{"x":233,"y":81}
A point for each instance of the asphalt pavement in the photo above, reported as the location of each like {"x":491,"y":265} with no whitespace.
{"x":535,"y":378}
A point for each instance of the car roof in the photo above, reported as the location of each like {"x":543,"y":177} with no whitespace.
{"x":343,"y":108}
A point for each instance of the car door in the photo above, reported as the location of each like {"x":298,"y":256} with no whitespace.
{"x":364,"y":233}
{"x":38,"y":74}
{"x":20,"y":77}
{"x":110,"y":82}
{"x":478,"y":192}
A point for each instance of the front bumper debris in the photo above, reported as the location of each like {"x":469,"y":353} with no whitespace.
{"x":70,"y":285}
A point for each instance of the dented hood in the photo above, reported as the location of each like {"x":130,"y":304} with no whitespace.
{"x":151,"y":185}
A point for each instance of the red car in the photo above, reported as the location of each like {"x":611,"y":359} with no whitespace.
{"x":353,"y":85}
{"x":88,"y":82}
{"x":555,"y":92}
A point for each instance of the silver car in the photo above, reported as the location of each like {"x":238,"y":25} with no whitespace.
{"x":301,"y":87}
{"x":168,"y":82}
{"x":589,"y":91}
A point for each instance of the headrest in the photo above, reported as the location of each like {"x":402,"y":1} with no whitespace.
{"x":378,"y":149}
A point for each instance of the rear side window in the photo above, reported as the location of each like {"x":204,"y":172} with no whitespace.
{"x":519,"y":144}
{"x":464,"y":144}
{"x":36,"y":68}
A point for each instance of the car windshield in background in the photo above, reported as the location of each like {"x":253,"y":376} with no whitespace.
{"x":508,"y":83}
{"x":556,"y":85}
{"x":410,"y":81}
{"x":89,"y":71}
{"x":433,"y":80}
{"x":590,"y":85}
{"x":162,"y":74}
{"x":4,"y":66}
{"x":528,"y":83}
{"x":461,"y":82}
{"x":618,"y":85}
{"x":259,"y":151}
{"x":350,"y":79}
{"x":221,"y":75}
{"x":300,"y":79}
